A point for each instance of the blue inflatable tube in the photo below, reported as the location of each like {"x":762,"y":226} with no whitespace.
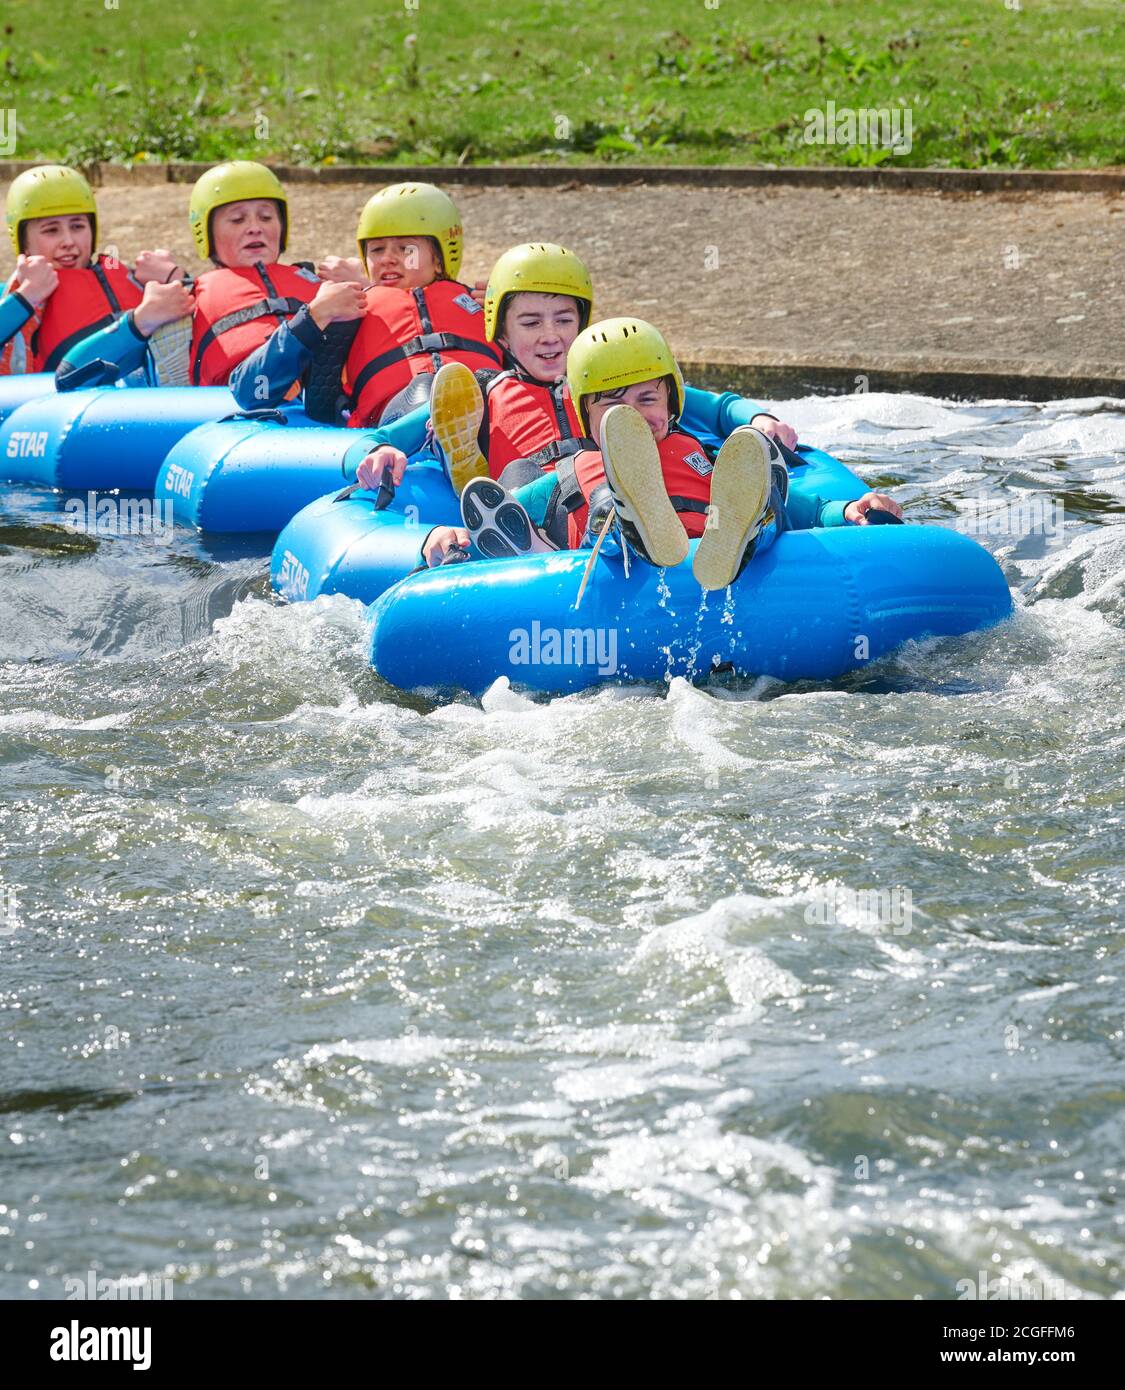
{"x":812,"y":606}
{"x":346,"y":547}
{"x":241,"y":475}
{"x":21,"y":387}
{"x":103,"y":438}
{"x":342,"y":545}
{"x":257,"y":475}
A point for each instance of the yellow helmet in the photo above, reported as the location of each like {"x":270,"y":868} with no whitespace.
{"x":231,"y":183}
{"x":413,"y":209}
{"x":51,"y":190}
{"x":537,"y":268}
{"x":616,"y":353}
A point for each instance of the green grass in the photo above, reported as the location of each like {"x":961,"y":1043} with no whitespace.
{"x":660,"y":81}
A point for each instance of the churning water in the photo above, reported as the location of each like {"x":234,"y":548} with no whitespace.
{"x":785,"y":991}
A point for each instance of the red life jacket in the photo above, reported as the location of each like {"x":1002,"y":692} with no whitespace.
{"x":686,"y":466}
{"x":405,"y":333}
{"x":81,"y":303}
{"x":236,"y":309}
{"x":16,"y":354}
{"x":526,"y":419}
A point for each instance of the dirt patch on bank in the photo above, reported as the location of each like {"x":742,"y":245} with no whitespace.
{"x":1031,"y":278}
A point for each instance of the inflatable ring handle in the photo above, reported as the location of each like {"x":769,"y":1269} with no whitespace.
{"x":792,"y":457}
{"x":265,"y":412}
{"x":879,"y":516}
{"x":96,"y":372}
{"x":383,"y":498}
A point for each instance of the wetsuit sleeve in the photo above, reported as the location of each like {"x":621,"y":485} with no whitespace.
{"x":119,"y":347}
{"x":265,"y":378}
{"x":14,"y":313}
{"x":717,"y":415}
{"x":807,"y":509}
{"x":408,"y":433}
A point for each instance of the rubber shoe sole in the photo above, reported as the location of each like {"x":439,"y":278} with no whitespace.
{"x":498,"y":524}
{"x":632,"y":469}
{"x":740,"y":489}
{"x":456,"y":412}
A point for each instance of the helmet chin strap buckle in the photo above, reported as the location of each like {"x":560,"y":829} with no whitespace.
{"x":258,"y":413}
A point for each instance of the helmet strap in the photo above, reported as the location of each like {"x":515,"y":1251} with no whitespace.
{"x":673,"y":413}
{"x":516,"y":367}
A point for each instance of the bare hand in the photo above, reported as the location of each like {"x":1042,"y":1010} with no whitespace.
{"x":36,"y":279}
{"x":337,"y":302}
{"x":341,"y":269}
{"x":478,"y":291}
{"x":370,"y":472}
{"x":441,"y":540}
{"x":857,"y":511}
{"x":158,"y":265}
{"x":775,"y":429}
{"x":162,"y":304}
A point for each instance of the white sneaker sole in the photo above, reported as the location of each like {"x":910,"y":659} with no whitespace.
{"x":740,"y":489}
{"x":456,"y":412}
{"x":632,"y":469}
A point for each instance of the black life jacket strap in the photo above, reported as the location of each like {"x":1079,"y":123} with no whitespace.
{"x":487,"y":379}
{"x":561,"y":449}
{"x":435,"y":343}
{"x":562,"y":452}
{"x":61,"y":349}
{"x":559,"y":407}
{"x":427,"y":324}
{"x":106,"y":288}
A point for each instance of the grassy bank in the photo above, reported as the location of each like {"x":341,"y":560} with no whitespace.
{"x":675,"y":81}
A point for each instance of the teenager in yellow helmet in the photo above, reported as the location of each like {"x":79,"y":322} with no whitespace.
{"x":251,"y":321}
{"x":520,"y":426}
{"x":662,"y":483}
{"x":515,"y":420}
{"x":418,"y":314}
{"x":61,"y":290}
{"x":659,"y":483}
{"x":655,"y":476}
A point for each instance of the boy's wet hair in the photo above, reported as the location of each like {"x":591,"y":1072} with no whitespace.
{"x":618,"y":392}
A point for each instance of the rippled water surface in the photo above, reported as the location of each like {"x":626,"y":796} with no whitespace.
{"x":309,"y":988}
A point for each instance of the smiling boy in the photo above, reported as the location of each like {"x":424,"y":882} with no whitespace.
{"x":520,"y":426}
{"x":638,"y":464}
